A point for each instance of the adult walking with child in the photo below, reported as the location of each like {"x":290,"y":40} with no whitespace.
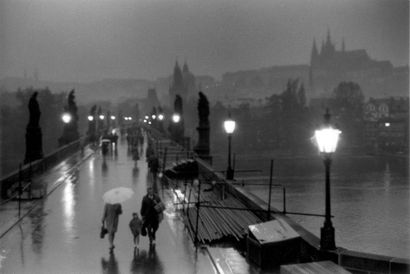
{"x":151,"y":212}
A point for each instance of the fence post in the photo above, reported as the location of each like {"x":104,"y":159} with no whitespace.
{"x":30,"y":172}
{"x":270,"y":187}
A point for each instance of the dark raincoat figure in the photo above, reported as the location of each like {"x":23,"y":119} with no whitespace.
{"x":153,"y":164}
{"x":151,"y":217}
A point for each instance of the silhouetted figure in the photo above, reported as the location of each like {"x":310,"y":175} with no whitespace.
{"x":34,"y":144}
{"x":202,"y":148}
{"x":150,"y":216}
{"x":153,"y":164}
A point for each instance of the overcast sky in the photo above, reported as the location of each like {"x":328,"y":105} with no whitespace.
{"x":86,"y":40}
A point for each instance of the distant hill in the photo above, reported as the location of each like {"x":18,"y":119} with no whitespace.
{"x":113,"y":90}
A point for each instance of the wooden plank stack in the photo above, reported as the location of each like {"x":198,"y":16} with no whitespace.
{"x":323,"y":267}
{"x":218,"y":224}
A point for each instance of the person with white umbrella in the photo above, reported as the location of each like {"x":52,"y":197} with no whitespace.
{"x":113,"y":209}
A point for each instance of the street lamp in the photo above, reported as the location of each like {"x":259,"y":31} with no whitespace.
{"x":154,"y":116}
{"x":327,"y":139}
{"x":176,"y":118}
{"x":161,"y":117}
{"x":112,"y":117}
{"x":66,"y":117}
{"x":102,"y":117}
{"x":229,"y":126}
{"x":90,"y":118}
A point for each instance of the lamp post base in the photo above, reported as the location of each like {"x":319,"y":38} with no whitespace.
{"x":327,"y":238}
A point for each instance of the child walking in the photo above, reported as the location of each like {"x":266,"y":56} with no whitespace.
{"x":135,"y":226}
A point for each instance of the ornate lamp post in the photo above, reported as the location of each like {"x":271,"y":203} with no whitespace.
{"x":91,"y":128}
{"x":327,"y":139}
{"x":229,"y":126}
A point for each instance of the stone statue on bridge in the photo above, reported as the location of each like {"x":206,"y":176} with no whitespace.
{"x":34,"y":144}
{"x":202,"y":148}
{"x":34,"y":110}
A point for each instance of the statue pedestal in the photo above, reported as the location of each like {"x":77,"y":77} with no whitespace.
{"x":34,"y":144}
{"x":202,"y":148}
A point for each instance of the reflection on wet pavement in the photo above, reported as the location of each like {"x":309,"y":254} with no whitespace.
{"x":143,"y":262}
{"x":110,"y":265}
{"x":61,"y":234}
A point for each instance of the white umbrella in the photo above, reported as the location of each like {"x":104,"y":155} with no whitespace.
{"x":117,"y":195}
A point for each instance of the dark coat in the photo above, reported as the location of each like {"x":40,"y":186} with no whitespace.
{"x":153,"y":164}
{"x":148,"y":211}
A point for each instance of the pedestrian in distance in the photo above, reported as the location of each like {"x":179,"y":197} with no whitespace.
{"x":135,"y":226}
{"x":153,"y":164}
{"x":110,"y":221}
{"x":150,"y":215}
{"x":135,"y":155}
{"x":149,"y":152}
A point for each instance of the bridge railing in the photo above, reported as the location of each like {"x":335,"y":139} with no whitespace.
{"x":38,"y":166}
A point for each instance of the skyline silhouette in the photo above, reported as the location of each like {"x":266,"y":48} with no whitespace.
{"x":88,"y":41}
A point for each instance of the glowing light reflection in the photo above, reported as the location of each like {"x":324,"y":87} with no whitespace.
{"x":68,"y":204}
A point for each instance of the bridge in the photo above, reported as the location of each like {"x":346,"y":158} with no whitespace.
{"x":56,"y":229}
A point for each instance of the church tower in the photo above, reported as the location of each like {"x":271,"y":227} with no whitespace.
{"x":314,"y":54}
{"x":177,"y":85}
{"x":189,"y":81}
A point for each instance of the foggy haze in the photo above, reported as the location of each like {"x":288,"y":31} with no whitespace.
{"x":79,"y":40}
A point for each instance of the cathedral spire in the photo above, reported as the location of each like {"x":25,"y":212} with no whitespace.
{"x":177,"y":77}
{"x":176,"y":64}
{"x":322,"y":48}
{"x":185,"y":68}
{"x":314,"y":54}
